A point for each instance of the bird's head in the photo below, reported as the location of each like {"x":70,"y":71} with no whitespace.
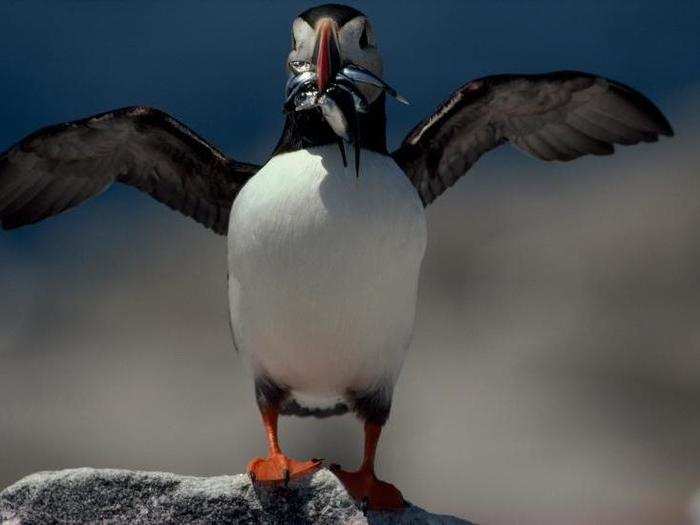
{"x":329,"y":37}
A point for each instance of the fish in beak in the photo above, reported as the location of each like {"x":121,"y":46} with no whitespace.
{"x":324,"y":82}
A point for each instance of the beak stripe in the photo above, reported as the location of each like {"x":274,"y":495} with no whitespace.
{"x":323,"y":57}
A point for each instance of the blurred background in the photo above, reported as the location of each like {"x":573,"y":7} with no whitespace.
{"x":554,"y":376}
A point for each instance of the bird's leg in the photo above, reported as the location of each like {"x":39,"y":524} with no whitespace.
{"x":277,"y":467}
{"x":363,"y":484}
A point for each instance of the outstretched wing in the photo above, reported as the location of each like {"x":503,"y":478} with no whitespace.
{"x":58,"y":167}
{"x":555,"y":116}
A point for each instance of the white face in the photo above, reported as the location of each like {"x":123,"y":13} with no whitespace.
{"x":356,"y":44}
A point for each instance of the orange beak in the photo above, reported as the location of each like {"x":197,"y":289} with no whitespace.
{"x":326,"y":53}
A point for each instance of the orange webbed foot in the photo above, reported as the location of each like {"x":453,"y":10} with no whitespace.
{"x":373,"y":493}
{"x":278,"y":468}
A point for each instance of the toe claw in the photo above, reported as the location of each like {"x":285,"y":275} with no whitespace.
{"x":287,"y":475}
{"x":370,"y":492}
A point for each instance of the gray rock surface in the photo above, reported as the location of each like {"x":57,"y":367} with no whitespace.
{"x":122,"y":496}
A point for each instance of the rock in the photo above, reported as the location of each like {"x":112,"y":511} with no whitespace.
{"x":123,"y":496}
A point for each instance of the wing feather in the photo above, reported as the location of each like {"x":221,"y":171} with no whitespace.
{"x":61,"y":166}
{"x":556,"y":116}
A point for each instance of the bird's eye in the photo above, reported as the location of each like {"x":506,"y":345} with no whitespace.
{"x":364,"y":41}
{"x":294,"y":41}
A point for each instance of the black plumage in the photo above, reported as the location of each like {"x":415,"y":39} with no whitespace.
{"x":342,"y":14}
{"x":58,"y":167}
{"x":305,"y":129}
{"x":554,"y":116}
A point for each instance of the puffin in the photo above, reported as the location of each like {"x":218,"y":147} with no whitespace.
{"x":326,"y":239}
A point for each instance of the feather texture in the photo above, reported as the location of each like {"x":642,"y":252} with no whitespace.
{"x":555,"y":116}
{"x":61,"y":166}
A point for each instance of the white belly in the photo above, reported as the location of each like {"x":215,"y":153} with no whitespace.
{"x":323,"y":271}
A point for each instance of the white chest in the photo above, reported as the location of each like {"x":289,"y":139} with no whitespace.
{"x":324,"y":268}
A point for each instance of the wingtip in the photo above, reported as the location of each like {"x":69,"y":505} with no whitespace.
{"x":667,"y":130}
{"x":10,"y":222}
{"x":6,"y":226}
{"x":647,"y":106}
{"x":665,"y":127}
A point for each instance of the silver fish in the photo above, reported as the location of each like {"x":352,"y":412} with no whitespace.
{"x":295,"y":83}
{"x":358,"y":98}
{"x":355,"y":73}
{"x":335,"y":117}
{"x":301,"y":92}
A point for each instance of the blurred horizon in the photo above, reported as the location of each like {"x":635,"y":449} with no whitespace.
{"x":554,"y":375}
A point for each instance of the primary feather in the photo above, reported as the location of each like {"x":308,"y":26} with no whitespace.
{"x":58,"y":167}
{"x":554,"y":116}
